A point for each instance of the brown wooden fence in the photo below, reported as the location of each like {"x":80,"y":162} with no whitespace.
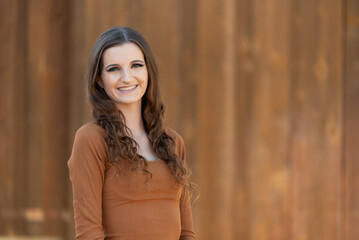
{"x":265,"y":94}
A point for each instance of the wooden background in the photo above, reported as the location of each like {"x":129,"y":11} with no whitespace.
{"x":264,"y":92}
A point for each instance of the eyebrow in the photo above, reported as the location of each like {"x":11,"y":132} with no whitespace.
{"x":115,"y":65}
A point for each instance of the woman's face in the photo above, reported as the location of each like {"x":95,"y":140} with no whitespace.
{"x":124,"y":75}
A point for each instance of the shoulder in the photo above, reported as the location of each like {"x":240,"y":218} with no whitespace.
{"x":92,"y":130}
{"x":89,"y":146}
{"x":178,"y":140}
{"x":90,"y":135}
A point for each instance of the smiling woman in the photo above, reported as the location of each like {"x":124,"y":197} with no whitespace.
{"x":128,"y":170}
{"x":125,"y":76}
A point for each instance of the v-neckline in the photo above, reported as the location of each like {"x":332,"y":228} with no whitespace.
{"x":156,"y":160}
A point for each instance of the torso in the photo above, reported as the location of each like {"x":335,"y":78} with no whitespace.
{"x":127,"y":204}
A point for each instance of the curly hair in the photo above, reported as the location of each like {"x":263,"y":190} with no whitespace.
{"x":118,"y":136}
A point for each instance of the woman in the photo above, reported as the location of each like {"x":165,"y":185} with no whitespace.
{"x":128,"y":169}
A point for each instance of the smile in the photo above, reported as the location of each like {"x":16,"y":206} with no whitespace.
{"x":127,"y":88}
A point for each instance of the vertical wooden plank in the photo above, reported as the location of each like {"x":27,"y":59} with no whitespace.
{"x":78,"y":58}
{"x":215,"y":44}
{"x":12,"y":115}
{"x":47,"y":109}
{"x":56,"y":122}
{"x":246,"y":68}
{"x":188,"y":85}
{"x":316,"y":143}
{"x":263,"y":115}
{"x":36,"y":62}
{"x":351,"y":204}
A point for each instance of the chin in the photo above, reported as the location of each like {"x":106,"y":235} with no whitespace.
{"x":128,"y":102}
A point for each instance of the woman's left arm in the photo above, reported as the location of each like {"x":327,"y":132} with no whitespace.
{"x":187,"y":231}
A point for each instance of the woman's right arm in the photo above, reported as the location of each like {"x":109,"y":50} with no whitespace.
{"x":87,"y":170}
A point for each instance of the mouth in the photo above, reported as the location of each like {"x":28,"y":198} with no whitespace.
{"x":126,"y":89}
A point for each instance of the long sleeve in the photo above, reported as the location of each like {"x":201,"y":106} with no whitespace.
{"x":87,"y":167}
{"x":187,"y":231}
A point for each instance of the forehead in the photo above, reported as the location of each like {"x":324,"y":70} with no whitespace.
{"x":122,"y":54}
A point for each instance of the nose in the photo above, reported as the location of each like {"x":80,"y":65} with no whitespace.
{"x":126,"y":76}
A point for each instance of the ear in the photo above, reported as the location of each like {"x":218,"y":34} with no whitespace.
{"x":100,"y":83}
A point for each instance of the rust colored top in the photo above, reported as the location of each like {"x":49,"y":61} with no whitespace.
{"x":111,"y":204}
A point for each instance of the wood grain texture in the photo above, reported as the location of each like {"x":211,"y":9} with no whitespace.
{"x":216,"y":116}
{"x":264,"y":93}
{"x":264,"y":116}
{"x":351,"y":164}
{"x":12,"y":118}
{"x":317,"y":112}
{"x":47,"y":115}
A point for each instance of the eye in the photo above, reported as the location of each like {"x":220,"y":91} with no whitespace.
{"x":137,"y":65}
{"x":112,"y":69}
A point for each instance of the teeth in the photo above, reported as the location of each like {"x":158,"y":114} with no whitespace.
{"x":127,"y":88}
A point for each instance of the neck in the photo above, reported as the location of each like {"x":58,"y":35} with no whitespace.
{"x":133,"y":118}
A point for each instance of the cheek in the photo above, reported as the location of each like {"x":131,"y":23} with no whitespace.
{"x":107,"y":81}
{"x":145,"y":77}
{"x":142,"y":77}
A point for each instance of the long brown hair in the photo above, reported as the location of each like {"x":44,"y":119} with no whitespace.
{"x":118,"y":136}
